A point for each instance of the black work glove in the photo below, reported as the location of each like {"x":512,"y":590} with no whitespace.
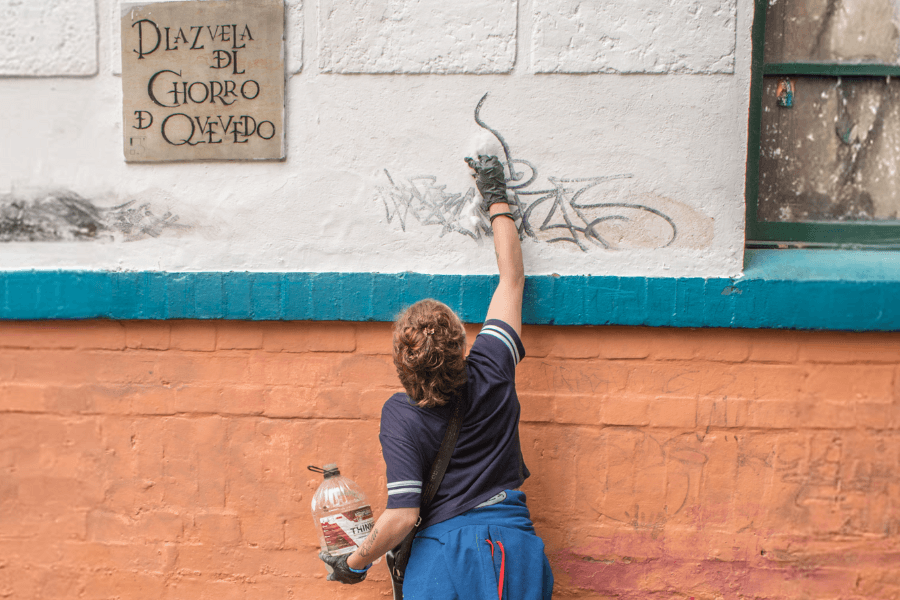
{"x":490,"y":180}
{"x":342,"y":571}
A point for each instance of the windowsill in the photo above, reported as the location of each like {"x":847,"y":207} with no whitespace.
{"x":780,"y":289}
{"x":823,"y":265}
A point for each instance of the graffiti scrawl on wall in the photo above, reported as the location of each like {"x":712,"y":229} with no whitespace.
{"x":66,"y":216}
{"x":569,"y":210}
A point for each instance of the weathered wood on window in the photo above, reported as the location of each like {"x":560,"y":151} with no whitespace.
{"x":836,"y":31}
{"x":834,"y":155}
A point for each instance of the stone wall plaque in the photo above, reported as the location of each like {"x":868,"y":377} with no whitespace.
{"x":203,"y":80}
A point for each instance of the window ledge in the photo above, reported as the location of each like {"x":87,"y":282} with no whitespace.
{"x":782,"y":289}
{"x":823,"y":265}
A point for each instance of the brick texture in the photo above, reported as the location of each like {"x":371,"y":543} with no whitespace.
{"x":168,"y":459}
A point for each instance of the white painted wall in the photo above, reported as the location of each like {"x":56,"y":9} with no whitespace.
{"x":652,"y":89}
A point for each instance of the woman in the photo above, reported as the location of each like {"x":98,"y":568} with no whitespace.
{"x":476,"y":540}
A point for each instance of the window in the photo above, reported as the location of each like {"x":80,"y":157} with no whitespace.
{"x":823,"y":165}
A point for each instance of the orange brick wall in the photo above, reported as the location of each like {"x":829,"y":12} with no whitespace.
{"x":168,"y":459}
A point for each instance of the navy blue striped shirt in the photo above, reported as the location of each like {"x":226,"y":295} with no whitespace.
{"x":487,"y":458}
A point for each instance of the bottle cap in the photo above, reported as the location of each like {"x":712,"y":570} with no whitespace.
{"x":330,"y":470}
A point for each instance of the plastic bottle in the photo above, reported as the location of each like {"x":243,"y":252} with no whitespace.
{"x":341,"y":512}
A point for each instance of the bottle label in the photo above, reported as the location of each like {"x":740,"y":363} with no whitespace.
{"x":345,"y":531}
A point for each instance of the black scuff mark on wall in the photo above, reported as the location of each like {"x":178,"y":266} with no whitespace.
{"x":67,"y":216}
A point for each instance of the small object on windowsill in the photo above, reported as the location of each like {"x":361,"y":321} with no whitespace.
{"x":785,"y":93}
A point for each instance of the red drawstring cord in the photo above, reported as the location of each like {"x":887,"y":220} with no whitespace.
{"x":502,"y":569}
{"x":502,"y":566}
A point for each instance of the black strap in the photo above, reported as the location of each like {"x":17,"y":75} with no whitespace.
{"x":438,"y":468}
{"x":448,"y":444}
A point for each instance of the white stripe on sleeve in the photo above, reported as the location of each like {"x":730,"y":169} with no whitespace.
{"x":405,"y":491}
{"x":408,"y":482}
{"x":504,"y":337}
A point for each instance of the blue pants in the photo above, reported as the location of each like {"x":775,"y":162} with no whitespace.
{"x":462,"y":558}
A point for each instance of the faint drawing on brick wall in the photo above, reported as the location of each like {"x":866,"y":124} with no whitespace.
{"x":838,"y":483}
{"x":580,"y":211}
{"x":66,"y":216}
{"x":203,"y":81}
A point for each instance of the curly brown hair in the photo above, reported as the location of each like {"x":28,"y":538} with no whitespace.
{"x":430,"y":352}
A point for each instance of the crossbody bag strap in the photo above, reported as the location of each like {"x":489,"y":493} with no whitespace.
{"x":436,"y":475}
{"x":448,"y":444}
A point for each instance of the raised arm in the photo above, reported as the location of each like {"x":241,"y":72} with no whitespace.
{"x":506,"y":304}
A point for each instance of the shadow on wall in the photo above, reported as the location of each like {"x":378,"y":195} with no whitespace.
{"x":66,"y":216}
{"x":572,"y":211}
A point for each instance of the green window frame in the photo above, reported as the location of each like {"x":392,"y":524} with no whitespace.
{"x":826,"y":234}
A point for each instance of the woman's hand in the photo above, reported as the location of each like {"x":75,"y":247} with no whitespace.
{"x":489,"y":179}
{"x":341,"y":571}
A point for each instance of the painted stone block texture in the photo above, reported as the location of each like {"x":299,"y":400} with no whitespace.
{"x":417,"y":36}
{"x":45,"y":38}
{"x":293,"y":36}
{"x":643,"y":36}
{"x":168,"y":459}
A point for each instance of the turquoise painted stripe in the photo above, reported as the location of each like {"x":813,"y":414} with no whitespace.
{"x":816,"y":289}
